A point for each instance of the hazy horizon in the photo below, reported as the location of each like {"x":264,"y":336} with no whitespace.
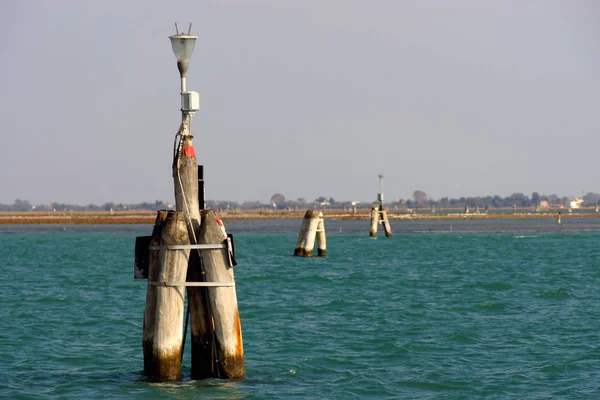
{"x":305,"y":98}
{"x":307,"y":200}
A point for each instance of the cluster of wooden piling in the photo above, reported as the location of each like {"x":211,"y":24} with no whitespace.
{"x":190,"y":252}
{"x":174,"y":264}
{"x":313,"y":228}
{"x":379,"y":216}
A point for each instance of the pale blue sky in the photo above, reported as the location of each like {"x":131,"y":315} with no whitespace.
{"x":307,"y":98}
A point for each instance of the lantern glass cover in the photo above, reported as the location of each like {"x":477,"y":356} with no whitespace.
{"x":183,"y":46}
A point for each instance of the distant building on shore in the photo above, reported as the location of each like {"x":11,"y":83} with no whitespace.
{"x":576,"y":203}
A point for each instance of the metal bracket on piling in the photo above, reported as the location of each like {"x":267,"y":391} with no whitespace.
{"x":190,"y":246}
{"x":205,"y":284}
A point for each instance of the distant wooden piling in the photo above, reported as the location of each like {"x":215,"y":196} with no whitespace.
{"x":217,"y":346}
{"x":311,"y":233}
{"x":299,"y":250}
{"x":558,"y":219}
{"x":312,"y":228}
{"x":386,"y":223}
{"x":163,"y":317}
{"x":379,"y":216}
{"x":321,"y":237}
{"x":374,"y":220}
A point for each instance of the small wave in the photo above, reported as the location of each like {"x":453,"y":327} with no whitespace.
{"x":559,"y":293}
{"x":461,"y":338}
{"x":525,"y":237}
{"x":491,"y":305}
{"x":557,"y":367}
{"x":496,"y":286}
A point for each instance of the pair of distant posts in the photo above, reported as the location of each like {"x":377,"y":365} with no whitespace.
{"x":313,"y":230}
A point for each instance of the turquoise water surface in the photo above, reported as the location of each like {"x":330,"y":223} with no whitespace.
{"x":451,"y":310}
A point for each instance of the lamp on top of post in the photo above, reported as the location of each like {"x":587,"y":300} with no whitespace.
{"x":183,"y":47}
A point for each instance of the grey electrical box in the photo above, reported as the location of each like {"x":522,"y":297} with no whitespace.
{"x":191,"y":101}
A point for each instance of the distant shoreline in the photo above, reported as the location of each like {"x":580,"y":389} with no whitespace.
{"x":148,"y":217}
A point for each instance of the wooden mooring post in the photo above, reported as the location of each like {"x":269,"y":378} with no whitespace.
{"x":189,"y":248}
{"x":321,"y":237}
{"x":312,"y":228}
{"x":217,"y":347}
{"x":379,"y":214}
{"x":385,"y":222}
{"x":163,"y":318}
{"x":374,"y":220}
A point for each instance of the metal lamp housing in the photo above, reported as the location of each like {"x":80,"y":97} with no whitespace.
{"x":183,"y":47}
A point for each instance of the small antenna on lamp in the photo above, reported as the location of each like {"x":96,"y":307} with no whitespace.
{"x":176,"y":28}
{"x":190,"y":28}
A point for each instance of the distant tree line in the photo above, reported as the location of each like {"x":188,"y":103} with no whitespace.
{"x":516,"y":199}
{"x":279,"y":202}
{"x":24,"y":205}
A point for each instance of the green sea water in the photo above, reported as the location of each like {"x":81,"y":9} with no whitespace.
{"x":441,"y":310}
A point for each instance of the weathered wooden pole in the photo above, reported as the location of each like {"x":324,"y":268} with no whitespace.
{"x":308,"y":233}
{"x":321,"y":238}
{"x":311,"y":233}
{"x":374,"y":220}
{"x":163,"y":318}
{"x":299,"y":250}
{"x":385,"y":222}
{"x":379,"y":214}
{"x":217,"y":347}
